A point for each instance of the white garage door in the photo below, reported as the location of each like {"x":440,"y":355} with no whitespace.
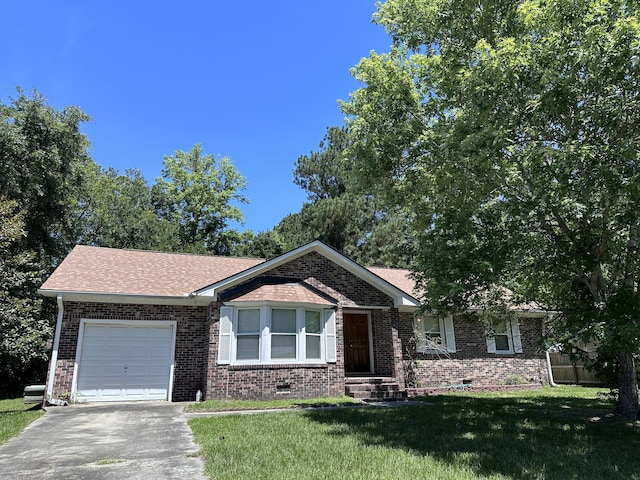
{"x":124,"y":361}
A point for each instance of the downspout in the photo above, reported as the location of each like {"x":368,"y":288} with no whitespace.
{"x":546,"y":354}
{"x":54,"y":352}
{"x":549,"y":370}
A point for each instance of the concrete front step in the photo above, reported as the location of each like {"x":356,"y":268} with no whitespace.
{"x":379,"y":395}
{"x":374,"y":388}
{"x":368,"y":380}
{"x":379,"y":387}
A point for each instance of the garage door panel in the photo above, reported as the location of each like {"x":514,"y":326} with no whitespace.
{"x":161,"y":333}
{"x":125,"y":362}
{"x":100,"y":370}
{"x":136,"y":371}
{"x":109,"y":393}
{"x":111,"y":349}
{"x":138,"y":355}
{"x":156,"y":370}
{"x":159,"y":349}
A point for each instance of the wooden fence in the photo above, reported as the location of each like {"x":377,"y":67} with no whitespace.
{"x":566,"y":371}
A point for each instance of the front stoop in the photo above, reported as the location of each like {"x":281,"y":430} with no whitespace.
{"x":374,"y":388}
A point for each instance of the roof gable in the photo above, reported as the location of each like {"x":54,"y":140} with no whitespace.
{"x":400,"y":297}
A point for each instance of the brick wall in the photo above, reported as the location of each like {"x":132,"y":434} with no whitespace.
{"x":275,"y":381}
{"x":270,"y":381}
{"x":191,"y":345}
{"x":307,"y":381}
{"x":471,"y":361}
{"x":332,"y":279}
{"x":196,"y":366}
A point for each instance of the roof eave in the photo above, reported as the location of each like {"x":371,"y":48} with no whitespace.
{"x":107,"y":297}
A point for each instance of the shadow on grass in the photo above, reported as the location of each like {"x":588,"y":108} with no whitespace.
{"x":33,"y":408}
{"x":550,"y":438}
{"x":323,"y":404}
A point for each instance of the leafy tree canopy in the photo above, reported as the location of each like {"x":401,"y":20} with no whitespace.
{"x":121,"y":211}
{"x":198,"y":193}
{"x":511,"y":130}
{"x":23,"y":328}
{"x":42,"y":160}
{"x":340,"y":214}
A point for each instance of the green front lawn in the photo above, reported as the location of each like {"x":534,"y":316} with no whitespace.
{"x":564,"y":433}
{"x":15,"y":416}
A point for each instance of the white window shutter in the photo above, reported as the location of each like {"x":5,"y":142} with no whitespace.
{"x":515,"y":333}
{"x":491,"y":341}
{"x":450,"y":338}
{"x":330,"y":334}
{"x":226,"y":335}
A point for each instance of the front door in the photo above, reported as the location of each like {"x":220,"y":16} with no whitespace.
{"x":356,"y":343}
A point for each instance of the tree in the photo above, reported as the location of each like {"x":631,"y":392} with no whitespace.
{"x":121,"y":211}
{"x":511,"y":130}
{"x":199,"y":192}
{"x":265,"y":245}
{"x":23,"y":330}
{"x":341,"y":215}
{"x":325,"y":173}
{"x":42,"y":159}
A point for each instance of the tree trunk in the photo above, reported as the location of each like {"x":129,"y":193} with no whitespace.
{"x":627,"y":386}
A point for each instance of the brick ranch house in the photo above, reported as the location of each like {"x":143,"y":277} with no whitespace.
{"x":139,"y":325}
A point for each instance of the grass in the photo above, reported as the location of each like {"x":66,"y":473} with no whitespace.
{"x":109,"y":461}
{"x":15,"y":416}
{"x":226,"y":405}
{"x":564,"y":433}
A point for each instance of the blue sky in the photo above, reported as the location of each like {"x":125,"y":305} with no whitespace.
{"x":255,"y":81}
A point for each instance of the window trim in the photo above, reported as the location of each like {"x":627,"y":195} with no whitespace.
{"x":236,"y":334}
{"x":296,"y":334}
{"x":507,"y":333}
{"x":512,"y":327}
{"x":304,"y":335}
{"x":265,"y":334}
{"x":447,"y":334}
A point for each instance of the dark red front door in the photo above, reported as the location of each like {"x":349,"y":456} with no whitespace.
{"x":356,"y":343}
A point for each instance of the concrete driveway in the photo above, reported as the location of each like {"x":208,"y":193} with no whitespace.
{"x":149,"y":440}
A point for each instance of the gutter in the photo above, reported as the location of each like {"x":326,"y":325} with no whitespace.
{"x":54,"y":352}
{"x":141,"y":298}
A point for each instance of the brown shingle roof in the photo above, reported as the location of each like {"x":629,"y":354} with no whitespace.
{"x":138,"y":272}
{"x":110,"y":270}
{"x":287,"y":292}
{"x":397,"y":277}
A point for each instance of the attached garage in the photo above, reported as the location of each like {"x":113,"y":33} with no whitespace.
{"x":124,"y":360}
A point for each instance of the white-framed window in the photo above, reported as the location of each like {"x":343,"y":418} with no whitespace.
{"x":503,"y":337}
{"x":248,"y":334}
{"x":313,"y":334}
{"x":284,"y":334}
{"x":434,"y":334}
{"x":275,"y":334}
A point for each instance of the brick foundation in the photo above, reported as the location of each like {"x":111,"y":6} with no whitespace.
{"x":479,"y":371}
{"x":260,"y":382}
